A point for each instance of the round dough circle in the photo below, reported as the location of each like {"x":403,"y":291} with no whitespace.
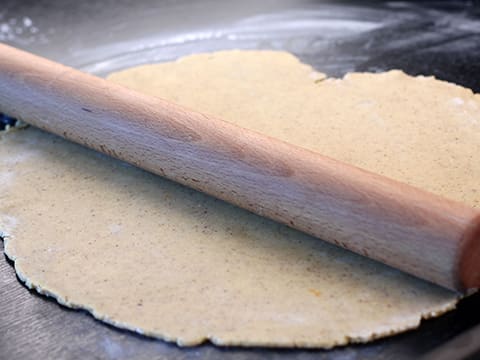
{"x":145,"y":254}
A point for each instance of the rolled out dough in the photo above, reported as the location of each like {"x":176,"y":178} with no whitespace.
{"x":145,"y":254}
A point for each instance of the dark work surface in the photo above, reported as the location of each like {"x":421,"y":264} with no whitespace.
{"x":429,"y":38}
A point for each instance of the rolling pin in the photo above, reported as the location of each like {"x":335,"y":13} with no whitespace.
{"x":420,"y":233}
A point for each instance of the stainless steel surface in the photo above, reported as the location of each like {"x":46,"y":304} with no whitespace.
{"x":466,"y":345}
{"x":431,"y":38}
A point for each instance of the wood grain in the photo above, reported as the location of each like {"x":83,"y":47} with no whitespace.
{"x":415,"y":231}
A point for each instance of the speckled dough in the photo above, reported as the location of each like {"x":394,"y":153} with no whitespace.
{"x":146,"y":254}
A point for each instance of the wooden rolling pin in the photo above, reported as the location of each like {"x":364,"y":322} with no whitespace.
{"x":418,"y":232}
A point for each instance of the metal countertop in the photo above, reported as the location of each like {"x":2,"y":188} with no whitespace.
{"x":429,"y":38}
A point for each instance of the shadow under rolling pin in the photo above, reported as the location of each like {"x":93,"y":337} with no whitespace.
{"x":420,"y":233}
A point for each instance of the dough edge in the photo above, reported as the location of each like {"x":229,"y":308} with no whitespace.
{"x":410,"y":323}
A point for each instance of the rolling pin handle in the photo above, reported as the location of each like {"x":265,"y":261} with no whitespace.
{"x":470,"y":258}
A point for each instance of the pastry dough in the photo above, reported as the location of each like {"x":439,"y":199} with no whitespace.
{"x":145,"y":254}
